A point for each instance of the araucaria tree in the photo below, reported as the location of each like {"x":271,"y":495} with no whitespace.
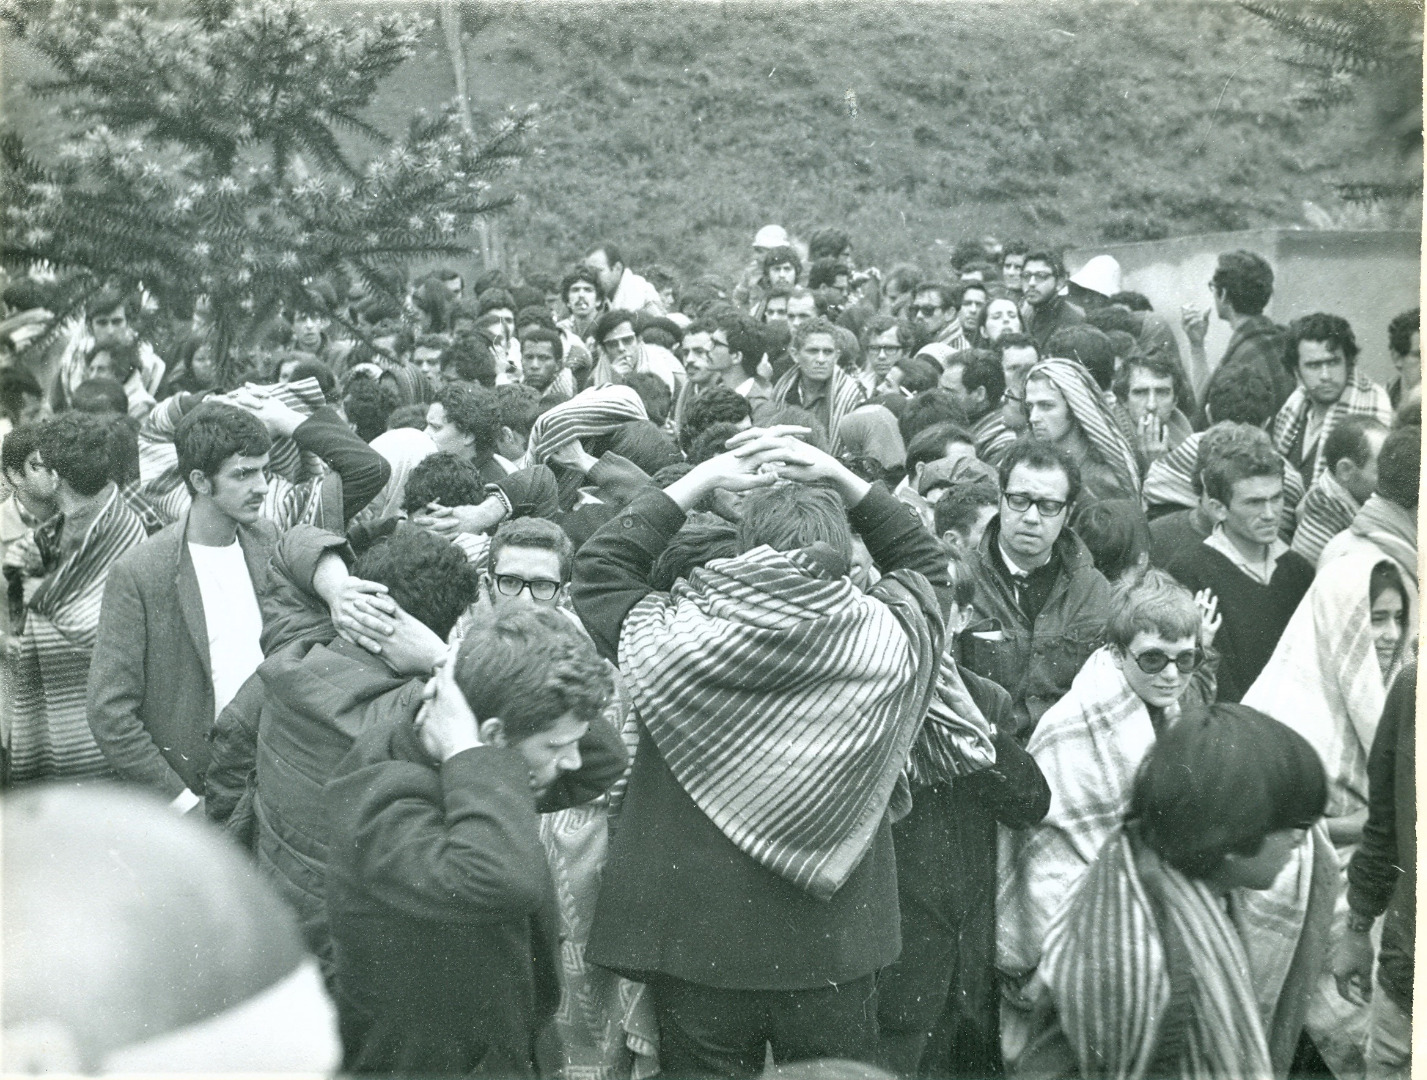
{"x":205,"y":158}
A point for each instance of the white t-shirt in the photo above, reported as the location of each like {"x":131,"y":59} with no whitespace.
{"x":235,"y":623}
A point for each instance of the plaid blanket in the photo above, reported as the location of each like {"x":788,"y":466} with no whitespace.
{"x":1324,"y":681}
{"x":1096,"y":420}
{"x":590,"y":413}
{"x":49,"y":727}
{"x":844,"y":396}
{"x":1089,"y":745}
{"x":1361,"y":397}
{"x":1149,"y":975}
{"x":785,"y":702}
{"x":294,"y":495}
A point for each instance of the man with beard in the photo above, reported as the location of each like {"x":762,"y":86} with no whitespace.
{"x":1046,"y":310}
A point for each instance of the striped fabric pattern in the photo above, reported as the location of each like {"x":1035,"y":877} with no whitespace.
{"x":593,"y":412}
{"x":1361,"y":397}
{"x":785,"y":702}
{"x":1097,"y":422}
{"x":845,"y":395}
{"x":1325,"y":511}
{"x":1108,"y":963}
{"x":49,"y":729}
{"x":955,"y":737}
{"x":993,"y":437}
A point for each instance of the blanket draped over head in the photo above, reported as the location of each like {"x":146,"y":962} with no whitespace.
{"x":1149,"y":974}
{"x":287,"y":502}
{"x":1361,"y":398}
{"x":785,"y":701}
{"x":1090,"y":745}
{"x":1324,"y":680}
{"x":1384,"y":525}
{"x":1087,"y":404}
{"x":49,"y":727}
{"x":590,"y":413}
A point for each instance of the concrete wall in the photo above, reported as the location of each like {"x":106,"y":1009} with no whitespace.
{"x":1366,"y":277}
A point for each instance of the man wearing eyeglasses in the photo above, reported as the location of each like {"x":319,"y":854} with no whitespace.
{"x":1040,"y":604}
{"x":529,"y":564}
{"x":932,"y":311}
{"x":1046,"y":310}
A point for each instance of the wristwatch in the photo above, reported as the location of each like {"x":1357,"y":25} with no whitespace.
{"x":1359,"y":924}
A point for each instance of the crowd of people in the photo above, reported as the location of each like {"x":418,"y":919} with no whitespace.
{"x":837,"y":672}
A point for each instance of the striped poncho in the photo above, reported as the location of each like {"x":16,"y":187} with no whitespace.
{"x":785,"y":702}
{"x":844,"y":395}
{"x":589,"y":414}
{"x":49,"y":729}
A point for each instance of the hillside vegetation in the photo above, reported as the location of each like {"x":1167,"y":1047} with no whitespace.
{"x":679,"y":128}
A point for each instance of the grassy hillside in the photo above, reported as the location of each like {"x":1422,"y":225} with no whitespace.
{"x":678,"y":128}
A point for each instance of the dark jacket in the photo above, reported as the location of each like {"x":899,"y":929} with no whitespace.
{"x":1056,"y":314}
{"x":150,"y":683}
{"x":441,"y":904}
{"x":1036,"y":664}
{"x":1382,"y":876}
{"x":678,"y":898}
{"x":1256,"y":345}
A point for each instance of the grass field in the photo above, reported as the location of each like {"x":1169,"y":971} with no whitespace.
{"x":679,"y":128}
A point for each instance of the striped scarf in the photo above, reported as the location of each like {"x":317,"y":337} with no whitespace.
{"x":49,"y":729}
{"x":993,"y":437}
{"x":785,"y":702}
{"x":1149,"y":975}
{"x":844,"y":395}
{"x":590,"y":413}
{"x":1361,"y":397}
{"x":1325,"y":511}
{"x":1087,"y":404}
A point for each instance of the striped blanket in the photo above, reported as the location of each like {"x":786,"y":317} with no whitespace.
{"x":1361,"y":397}
{"x":844,"y":396}
{"x":1095,"y":418}
{"x":590,"y":413}
{"x":1089,"y":745}
{"x":1170,"y":482}
{"x":49,"y":729}
{"x":294,"y":495}
{"x":1325,"y":511}
{"x":1149,"y":975}
{"x":785,"y":702}
{"x":1324,"y":681}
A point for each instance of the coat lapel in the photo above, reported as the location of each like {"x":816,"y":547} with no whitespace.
{"x":190,"y":600}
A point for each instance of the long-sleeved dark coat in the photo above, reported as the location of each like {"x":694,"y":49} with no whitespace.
{"x":678,"y":898}
{"x":441,"y":904}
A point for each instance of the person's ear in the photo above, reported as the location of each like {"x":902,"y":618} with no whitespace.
{"x":1344,"y":470}
{"x":201,"y":484}
{"x":492,"y":732}
{"x":978,"y":396}
{"x":1217,"y":510}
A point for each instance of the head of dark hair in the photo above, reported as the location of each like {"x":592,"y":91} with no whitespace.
{"x":367,"y":408}
{"x":929,"y":444}
{"x":473,"y":411}
{"x":828,"y":243}
{"x":612,"y":254}
{"x":123,"y":359}
{"x":1036,"y":454}
{"x":1349,"y":439}
{"x":581,"y":273}
{"x":794,"y":416}
{"x":316,"y":369}
{"x":1234,"y":461}
{"x":611,"y":320}
{"x":1399,"y":466}
{"x":537,"y":318}
{"x":407,"y":416}
{"x":778,"y":256}
{"x":702,"y":538}
{"x":1178,"y":805}
{"x":77,"y":447}
{"x":530,"y":667}
{"x":426,"y":574}
{"x":1114,"y":317}
{"x":1161,"y":365}
{"x":1244,"y":396}
{"x":101,"y":396}
{"x":1331,"y":330}
{"x":1117,"y":533}
{"x":1132,"y":300}
{"x":919,"y":375}
{"x":213,"y":432}
{"x":791,"y":516}
{"x":1088,"y":347}
{"x":653,"y":391}
{"x":958,"y":508}
{"x":1245,"y":279}
{"x":927,"y":408}
{"x":710,"y":442}
{"x":496,"y":300}
{"x":1401,"y":329}
{"x":445,"y":479}
{"x":469,"y":358}
{"x":718,"y":404}
{"x":1051,"y":259}
{"x":549,"y":335}
{"x":519,"y":405}
{"x":15,"y":385}
{"x":533,"y":532}
{"x":983,"y":371}
{"x":18,"y":446}
{"x":108,"y":299}
{"x":825,"y":272}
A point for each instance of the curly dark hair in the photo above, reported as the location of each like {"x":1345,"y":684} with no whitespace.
{"x":426,"y":574}
{"x":474,"y":412}
{"x":530,"y":667}
{"x":716,"y":405}
{"x":445,"y":479}
{"x":77,"y":447}
{"x":1246,"y":280}
{"x":367,"y":408}
{"x":1401,"y":329}
{"x":1332,"y":330}
{"x":212,"y":433}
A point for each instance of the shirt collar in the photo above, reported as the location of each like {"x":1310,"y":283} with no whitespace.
{"x":1262,"y":572}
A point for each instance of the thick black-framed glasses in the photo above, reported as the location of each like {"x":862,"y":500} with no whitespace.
{"x":540,"y":588}
{"x":1021,"y":503}
{"x":1153,"y":661}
